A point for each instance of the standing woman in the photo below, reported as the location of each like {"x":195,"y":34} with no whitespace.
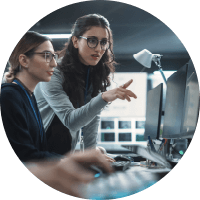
{"x":76,"y":94}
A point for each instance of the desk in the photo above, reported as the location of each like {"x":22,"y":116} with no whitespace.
{"x":121,"y":184}
{"x":110,"y":148}
{"x":117,"y":149}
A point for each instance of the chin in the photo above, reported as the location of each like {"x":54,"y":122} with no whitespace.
{"x":94,"y":63}
{"x":46,"y":79}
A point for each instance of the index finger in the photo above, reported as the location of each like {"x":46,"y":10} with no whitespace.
{"x":127,"y":84}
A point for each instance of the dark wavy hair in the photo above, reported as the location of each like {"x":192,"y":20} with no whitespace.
{"x":71,"y":66}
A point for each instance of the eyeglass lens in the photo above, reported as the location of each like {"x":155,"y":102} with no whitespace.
{"x":49,"y":56}
{"x":93,"y":42}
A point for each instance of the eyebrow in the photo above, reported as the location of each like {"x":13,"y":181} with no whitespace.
{"x":97,"y":37}
{"x":47,"y":51}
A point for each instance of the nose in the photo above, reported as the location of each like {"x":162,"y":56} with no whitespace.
{"x":53,"y":63}
{"x":98,"y":47}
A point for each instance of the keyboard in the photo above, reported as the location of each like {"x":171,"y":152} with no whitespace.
{"x":121,"y":165}
{"x":121,"y":184}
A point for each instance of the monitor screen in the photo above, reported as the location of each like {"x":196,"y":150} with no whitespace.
{"x":191,"y":103}
{"x":174,"y":105}
{"x":153,"y":112}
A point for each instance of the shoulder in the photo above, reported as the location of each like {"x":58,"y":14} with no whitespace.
{"x":10,"y":89}
{"x":55,"y":84}
{"x":11,"y":94}
{"x":57,"y":76}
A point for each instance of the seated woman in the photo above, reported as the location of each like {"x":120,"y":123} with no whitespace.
{"x":33,"y":60}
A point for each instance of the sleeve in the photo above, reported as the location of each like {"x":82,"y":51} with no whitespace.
{"x":72,"y":118}
{"x":16,"y":127}
{"x":90,"y":133}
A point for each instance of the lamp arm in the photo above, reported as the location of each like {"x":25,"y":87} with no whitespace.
{"x":161,"y":71}
{"x":156,"y":59}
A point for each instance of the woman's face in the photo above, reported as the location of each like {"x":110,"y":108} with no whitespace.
{"x":37,"y":66}
{"x":87,"y":55}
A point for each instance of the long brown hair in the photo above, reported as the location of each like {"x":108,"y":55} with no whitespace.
{"x":71,"y":66}
{"x":28,"y":44}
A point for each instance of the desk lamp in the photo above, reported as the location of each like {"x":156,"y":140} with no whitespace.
{"x":145,"y":58}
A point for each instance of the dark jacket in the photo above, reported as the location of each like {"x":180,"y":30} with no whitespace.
{"x":21,"y":125}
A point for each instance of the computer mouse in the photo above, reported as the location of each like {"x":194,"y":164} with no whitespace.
{"x":122,"y":158}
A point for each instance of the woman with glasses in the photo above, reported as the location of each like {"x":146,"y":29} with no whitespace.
{"x":33,"y":60}
{"x":73,"y":99}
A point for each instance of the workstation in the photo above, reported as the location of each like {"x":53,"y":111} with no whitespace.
{"x":164,"y":150}
{"x":154,"y":113}
{"x":149,"y":135}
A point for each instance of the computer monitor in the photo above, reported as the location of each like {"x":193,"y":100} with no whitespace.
{"x":191,"y":103}
{"x":153,"y":112}
{"x":182,"y":103}
{"x":174,"y":105}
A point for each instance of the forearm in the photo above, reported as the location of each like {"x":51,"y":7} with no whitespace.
{"x":57,"y":99}
{"x":83,"y":116}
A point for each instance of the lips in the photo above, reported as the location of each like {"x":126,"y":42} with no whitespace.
{"x":50,"y":73}
{"x":95,"y":56}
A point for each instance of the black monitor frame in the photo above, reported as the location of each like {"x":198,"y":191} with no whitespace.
{"x":191,"y":103}
{"x":154,"y":112}
{"x":176,"y":107}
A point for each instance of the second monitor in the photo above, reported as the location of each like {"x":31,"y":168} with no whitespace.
{"x":153,"y":112}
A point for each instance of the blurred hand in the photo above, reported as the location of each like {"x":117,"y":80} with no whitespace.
{"x":103,"y":151}
{"x":71,"y":173}
{"x":119,"y":93}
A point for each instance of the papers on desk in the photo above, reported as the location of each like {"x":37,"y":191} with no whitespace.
{"x":148,"y":154}
{"x":162,"y":170}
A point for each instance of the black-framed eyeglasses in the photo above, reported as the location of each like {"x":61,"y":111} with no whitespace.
{"x":92,"y":42}
{"x":48,"y":56}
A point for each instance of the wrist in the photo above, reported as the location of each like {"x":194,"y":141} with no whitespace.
{"x":103,"y":97}
{"x":101,"y":149}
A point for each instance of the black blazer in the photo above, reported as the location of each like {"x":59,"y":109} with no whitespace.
{"x":21,"y":125}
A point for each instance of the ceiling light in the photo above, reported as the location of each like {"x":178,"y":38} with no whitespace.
{"x":58,"y":36}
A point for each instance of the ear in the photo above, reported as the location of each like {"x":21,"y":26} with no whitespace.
{"x":75,"y":41}
{"x":23,"y":60}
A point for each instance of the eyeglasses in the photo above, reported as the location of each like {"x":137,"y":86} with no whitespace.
{"x":48,"y":56}
{"x":93,"y":42}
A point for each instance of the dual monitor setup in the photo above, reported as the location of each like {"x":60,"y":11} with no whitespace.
{"x":180,"y":114}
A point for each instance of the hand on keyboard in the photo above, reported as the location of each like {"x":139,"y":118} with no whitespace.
{"x":103,"y":151}
{"x":109,"y":158}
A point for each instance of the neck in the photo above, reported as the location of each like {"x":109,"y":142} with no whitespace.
{"x":27,"y":80}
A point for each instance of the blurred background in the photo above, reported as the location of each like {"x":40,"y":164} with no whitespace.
{"x":133,"y":30}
